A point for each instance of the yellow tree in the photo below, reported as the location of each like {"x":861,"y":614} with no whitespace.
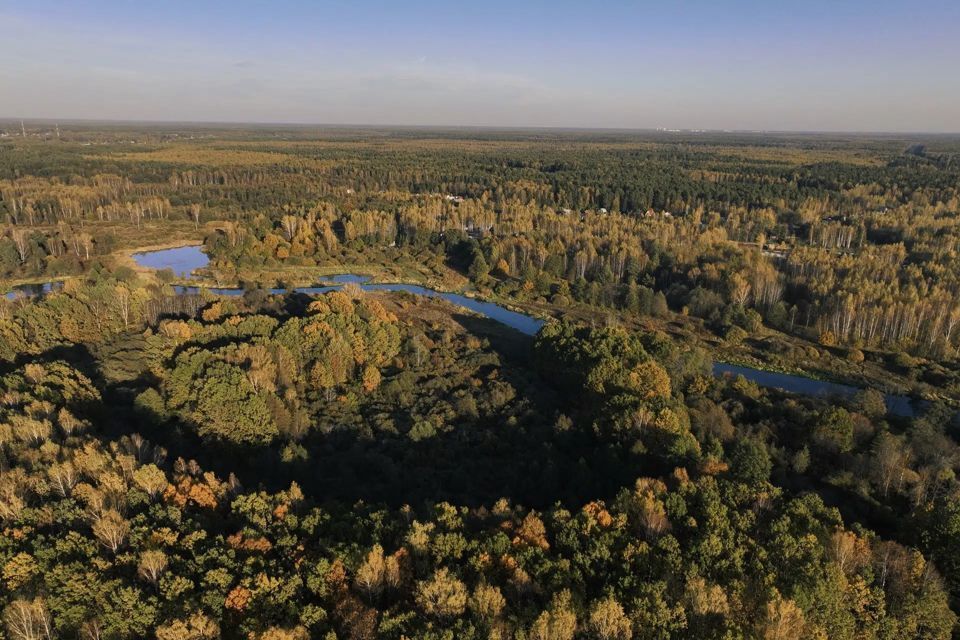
{"x":609,"y":622}
{"x":371,"y":378}
{"x":559,"y":622}
{"x":442,"y":596}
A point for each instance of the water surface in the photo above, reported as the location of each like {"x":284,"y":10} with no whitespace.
{"x":35,"y":289}
{"x":185,"y":260}
{"x":896,"y":404}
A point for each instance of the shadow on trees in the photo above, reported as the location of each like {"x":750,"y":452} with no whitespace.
{"x":470,"y":462}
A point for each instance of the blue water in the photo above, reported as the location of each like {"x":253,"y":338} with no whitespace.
{"x":185,"y":260}
{"x":30,"y":290}
{"x":347,"y":278}
{"x":897,"y":405}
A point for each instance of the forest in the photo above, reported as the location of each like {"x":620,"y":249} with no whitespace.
{"x":185,"y":465}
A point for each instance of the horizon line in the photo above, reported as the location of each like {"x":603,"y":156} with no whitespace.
{"x":372,"y":125}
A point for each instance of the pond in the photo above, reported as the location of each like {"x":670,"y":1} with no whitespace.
{"x":185,"y":260}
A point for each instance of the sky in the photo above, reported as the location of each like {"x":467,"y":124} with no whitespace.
{"x":806,"y":65}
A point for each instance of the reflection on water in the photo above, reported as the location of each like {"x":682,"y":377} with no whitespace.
{"x":36,"y":289}
{"x":183,"y":261}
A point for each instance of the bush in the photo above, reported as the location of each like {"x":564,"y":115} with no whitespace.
{"x":735,"y":335}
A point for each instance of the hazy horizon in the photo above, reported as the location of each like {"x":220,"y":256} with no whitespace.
{"x":851,"y":67}
{"x":14,"y":122}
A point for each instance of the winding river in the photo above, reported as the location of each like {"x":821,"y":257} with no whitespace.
{"x":183,"y":261}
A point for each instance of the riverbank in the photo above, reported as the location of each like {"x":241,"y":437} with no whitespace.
{"x":528,"y":316}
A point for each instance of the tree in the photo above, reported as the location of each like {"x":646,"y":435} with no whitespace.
{"x":111,"y":530}
{"x":659,"y":308}
{"x":321,"y":378}
{"x":150,"y":479}
{"x":229,"y":409}
{"x":750,"y":462}
{"x":735,"y":335}
{"x":195,"y":214}
{"x":705,"y":599}
{"x":478,"y":269}
{"x":871,"y":403}
{"x":890,"y":457}
{"x":20,"y":241}
{"x":442,"y":596}
{"x":559,"y":622}
{"x":28,"y":620}
{"x":834,"y":431}
{"x":195,"y":627}
{"x":487,"y":602}
{"x":371,"y":378}
{"x":784,"y":620}
{"x":609,"y":622}
{"x":849,"y":551}
{"x":152,"y":565}
{"x":939,"y":523}
{"x":827,"y":338}
{"x":19,"y":571}
{"x":372,"y":573}
{"x":651,"y":380}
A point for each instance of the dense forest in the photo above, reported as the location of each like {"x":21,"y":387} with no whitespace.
{"x":183,"y":465}
{"x":844,"y":241}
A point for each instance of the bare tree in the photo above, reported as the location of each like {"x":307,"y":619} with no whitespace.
{"x":290,"y":225}
{"x":111,"y":530}
{"x":28,"y":620}
{"x":122,"y":298}
{"x":19,"y":237}
{"x":152,"y":565}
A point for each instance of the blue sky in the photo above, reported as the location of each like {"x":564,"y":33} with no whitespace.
{"x":740,"y":64}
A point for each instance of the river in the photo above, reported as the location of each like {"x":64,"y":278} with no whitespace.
{"x":183,"y":261}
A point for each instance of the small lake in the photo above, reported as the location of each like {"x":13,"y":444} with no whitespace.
{"x":185,"y":260}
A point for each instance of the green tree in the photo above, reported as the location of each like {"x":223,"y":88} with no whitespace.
{"x":750,"y":462}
